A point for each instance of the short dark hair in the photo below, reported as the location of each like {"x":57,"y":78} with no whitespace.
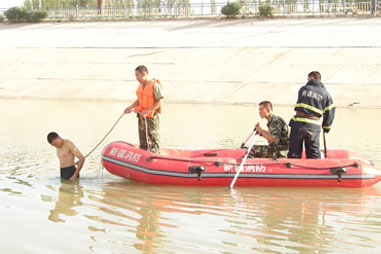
{"x":52,"y":136}
{"x":315,"y":75}
{"x":141,"y":69}
{"x":267,"y":105}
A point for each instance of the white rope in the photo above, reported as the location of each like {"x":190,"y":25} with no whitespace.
{"x":147,"y":137}
{"x":105,"y":136}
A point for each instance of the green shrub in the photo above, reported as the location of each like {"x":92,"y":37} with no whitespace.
{"x":38,"y":15}
{"x":231,"y":9}
{"x":266,"y":10}
{"x":17,"y":14}
{"x":21,"y":14}
{"x":1,"y":18}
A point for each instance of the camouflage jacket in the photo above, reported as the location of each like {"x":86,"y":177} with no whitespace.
{"x":279,"y":130}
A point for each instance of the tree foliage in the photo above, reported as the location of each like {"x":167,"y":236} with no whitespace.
{"x":47,"y":4}
{"x":145,"y":4}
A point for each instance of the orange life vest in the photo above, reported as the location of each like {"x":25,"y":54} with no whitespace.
{"x":146,"y":97}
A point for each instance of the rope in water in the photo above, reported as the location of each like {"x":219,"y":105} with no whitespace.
{"x":100,"y":142}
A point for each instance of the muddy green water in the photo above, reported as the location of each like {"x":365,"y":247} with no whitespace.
{"x":102,"y":213}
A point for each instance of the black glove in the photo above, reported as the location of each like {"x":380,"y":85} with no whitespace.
{"x":326,"y":130}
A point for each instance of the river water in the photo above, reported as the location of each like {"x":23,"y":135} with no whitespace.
{"x":103,"y":213}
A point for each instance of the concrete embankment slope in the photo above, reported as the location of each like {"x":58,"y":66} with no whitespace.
{"x":203,"y":61}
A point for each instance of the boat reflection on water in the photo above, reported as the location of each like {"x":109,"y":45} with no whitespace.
{"x":305,"y":217}
{"x":258,"y":218}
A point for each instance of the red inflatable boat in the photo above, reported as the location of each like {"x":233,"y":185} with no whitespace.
{"x":217,"y":167}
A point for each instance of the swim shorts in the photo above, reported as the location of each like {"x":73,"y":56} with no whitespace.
{"x":68,"y":172}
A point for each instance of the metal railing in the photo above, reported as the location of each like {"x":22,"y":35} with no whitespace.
{"x":200,"y":10}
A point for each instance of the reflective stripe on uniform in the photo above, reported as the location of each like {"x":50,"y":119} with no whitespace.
{"x":305,"y":120}
{"x":329,"y":107}
{"x":303,"y":105}
{"x":327,"y":127}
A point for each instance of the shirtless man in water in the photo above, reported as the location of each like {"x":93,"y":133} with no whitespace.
{"x":66,"y":152}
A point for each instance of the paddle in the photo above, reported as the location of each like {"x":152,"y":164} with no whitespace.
{"x":325,"y":145}
{"x":243,"y":161}
{"x":243,"y":144}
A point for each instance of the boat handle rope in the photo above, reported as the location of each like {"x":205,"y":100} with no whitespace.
{"x":290,"y":165}
{"x":287,"y":164}
{"x":216,"y":163}
{"x":100,"y":142}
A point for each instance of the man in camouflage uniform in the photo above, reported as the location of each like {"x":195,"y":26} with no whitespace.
{"x":149,"y":136}
{"x":277,"y":135}
{"x":148,"y":108}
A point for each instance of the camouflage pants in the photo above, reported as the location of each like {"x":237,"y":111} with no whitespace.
{"x":263,"y":151}
{"x":149,"y":133}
